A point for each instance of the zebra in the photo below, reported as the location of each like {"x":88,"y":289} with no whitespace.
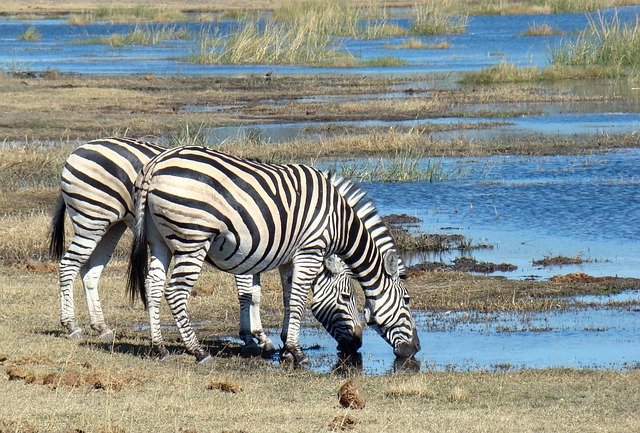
{"x":195,"y":204}
{"x":96,"y":185}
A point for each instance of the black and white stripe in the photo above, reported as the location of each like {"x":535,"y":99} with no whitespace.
{"x":244,"y":217}
{"x":96,"y":185}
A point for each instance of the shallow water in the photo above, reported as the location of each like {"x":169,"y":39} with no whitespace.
{"x":604,"y":337}
{"x":487,"y":41}
{"x":530,"y":208}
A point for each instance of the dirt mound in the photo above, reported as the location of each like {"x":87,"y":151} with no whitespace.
{"x":351,"y":395}
{"x":346,"y":422}
{"x":34,"y":266}
{"x":231,"y":387}
{"x":71,"y":378}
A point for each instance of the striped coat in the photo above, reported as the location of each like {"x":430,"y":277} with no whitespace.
{"x":244,"y":217}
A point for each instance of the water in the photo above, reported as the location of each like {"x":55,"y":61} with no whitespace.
{"x":487,"y":41}
{"x":530,"y":208}
{"x":600,"y":338}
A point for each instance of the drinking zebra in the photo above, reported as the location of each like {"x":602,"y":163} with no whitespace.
{"x":96,"y":186}
{"x":195,"y":204}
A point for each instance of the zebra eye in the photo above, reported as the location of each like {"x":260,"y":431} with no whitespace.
{"x":407,"y":300}
{"x":345,"y":296}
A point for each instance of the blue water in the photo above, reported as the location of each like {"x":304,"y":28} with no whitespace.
{"x":487,"y":41}
{"x":529,"y":208}
{"x":600,"y":338}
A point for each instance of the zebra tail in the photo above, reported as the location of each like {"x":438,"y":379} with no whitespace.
{"x":56,"y":231}
{"x":138,"y":260}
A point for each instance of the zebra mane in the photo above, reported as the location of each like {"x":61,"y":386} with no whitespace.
{"x":365,"y":209}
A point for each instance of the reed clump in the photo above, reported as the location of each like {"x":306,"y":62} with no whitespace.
{"x":432,"y":19}
{"x":31,"y":34}
{"x":541,"y":30}
{"x":607,"y":44}
{"x":412,"y":166}
{"x":271,"y":43}
{"x":142,"y":35}
{"x":502,"y":72}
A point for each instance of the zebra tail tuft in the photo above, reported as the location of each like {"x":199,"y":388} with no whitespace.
{"x":138,"y":260}
{"x":56,"y":231}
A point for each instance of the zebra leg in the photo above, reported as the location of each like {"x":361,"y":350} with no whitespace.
{"x":76,"y":256}
{"x":154,"y":284}
{"x":90,"y":274}
{"x":186,"y":269}
{"x":306,"y":266}
{"x":286,"y":275}
{"x":249,"y":295}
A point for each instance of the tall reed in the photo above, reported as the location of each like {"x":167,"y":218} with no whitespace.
{"x":432,"y":19}
{"x":142,"y":35}
{"x":298,"y":42}
{"x":606,"y":43}
{"x":402,"y":167}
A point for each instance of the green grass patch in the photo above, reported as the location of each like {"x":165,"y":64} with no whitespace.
{"x":383,"y":61}
{"x":31,"y":34}
{"x":503,"y":72}
{"x":402,"y":167}
{"x":418,"y":44}
{"x":541,"y":30}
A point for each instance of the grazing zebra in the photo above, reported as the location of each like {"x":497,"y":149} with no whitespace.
{"x":96,"y":186}
{"x":195,"y":204}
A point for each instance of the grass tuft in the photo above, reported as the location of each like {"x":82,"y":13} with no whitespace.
{"x":541,"y":30}
{"x":402,"y":167}
{"x":502,"y":72}
{"x":431,"y":19}
{"x":31,"y":34}
{"x":146,"y":35}
{"x":605,"y":44}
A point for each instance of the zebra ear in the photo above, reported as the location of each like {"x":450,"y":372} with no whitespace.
{"x":391,"y":261}
{"x":331,"y":263}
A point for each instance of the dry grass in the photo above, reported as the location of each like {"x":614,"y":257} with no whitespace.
{"x":49,"y":383}
{"x":57,"y":384}
{"x":43,"y":109}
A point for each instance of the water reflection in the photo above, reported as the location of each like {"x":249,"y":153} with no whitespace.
{"x":602,"y":337}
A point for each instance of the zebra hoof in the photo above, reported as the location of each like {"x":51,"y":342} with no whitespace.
{"x":251,"y":350}
{"x":160,"y":352}
{"x":297,"y":357}
{"x":267,"y":348}
{"x":206,"y":361}
{"x":108,"y":336}
{"x":76,"y":335}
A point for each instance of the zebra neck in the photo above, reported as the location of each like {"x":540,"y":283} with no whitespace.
{"x":362,"y":255}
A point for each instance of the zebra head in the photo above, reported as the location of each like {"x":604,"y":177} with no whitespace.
{"x":334,"y":305}
{"x":387,"y":310}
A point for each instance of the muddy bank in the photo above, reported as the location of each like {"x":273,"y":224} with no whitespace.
{"x":54,"y":107}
